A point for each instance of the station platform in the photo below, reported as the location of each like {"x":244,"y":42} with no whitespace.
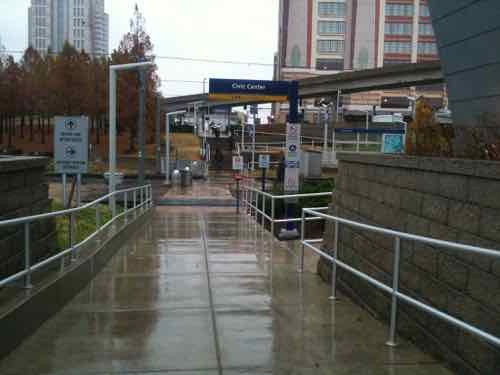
{"x":204,"y":291}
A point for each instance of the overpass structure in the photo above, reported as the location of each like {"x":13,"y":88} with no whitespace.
{"x":390,"y":77}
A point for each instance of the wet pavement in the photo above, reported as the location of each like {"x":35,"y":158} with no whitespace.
{"x":202,"y":291}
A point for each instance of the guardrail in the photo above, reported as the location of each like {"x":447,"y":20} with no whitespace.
{"x":393,"y":290}
{"x":251,"y":197}
{"x":142,"y":197}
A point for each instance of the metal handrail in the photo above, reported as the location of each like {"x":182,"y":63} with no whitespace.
{"x":394,"y":291}
{"x":142,"y":197}
{"x":251,"y":195}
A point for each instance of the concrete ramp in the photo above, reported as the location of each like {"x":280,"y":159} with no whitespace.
{"x":203,"y":291}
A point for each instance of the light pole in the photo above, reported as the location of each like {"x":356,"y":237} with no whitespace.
{"x":167,"y":144}
{"x":113,"y":69}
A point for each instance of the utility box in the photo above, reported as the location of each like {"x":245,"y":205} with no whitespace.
{"x":310,"y":164}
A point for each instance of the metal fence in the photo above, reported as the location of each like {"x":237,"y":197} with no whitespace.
{"x":252,"y":196}
{"x":394,"y":290}
{"x":142,"y":198}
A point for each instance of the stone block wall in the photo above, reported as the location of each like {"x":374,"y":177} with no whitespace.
{"x":23,"y":192}
{"x":456,"y":200}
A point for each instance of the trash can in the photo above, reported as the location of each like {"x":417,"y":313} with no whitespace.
{"x":176,"y":177}
{"x":186,"y":177}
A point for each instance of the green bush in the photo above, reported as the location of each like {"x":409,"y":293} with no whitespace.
{"x":85,"y":223}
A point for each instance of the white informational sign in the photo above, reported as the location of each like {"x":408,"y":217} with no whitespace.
{"x":237,"y":163}
{"x":71,"y":142}
{"x":292,"y":170}
{"x":292,"y":180}
{"x":264,"y":161}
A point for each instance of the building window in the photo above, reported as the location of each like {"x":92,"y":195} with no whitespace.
{"x":332,"y":9}
{"x":425,"y":29}
{"x":331,"y":27}
{"x":296,"y":57}
{"x":404,"y":10}
{"x":398,"y":28}
{"x":331,"y":46}
{"x":424,"y":11}
{"x":427,"y":48}
{"x":330,"y":64}
{"x":397,"y":47}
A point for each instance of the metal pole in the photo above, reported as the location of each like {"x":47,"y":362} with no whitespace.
{"x":253,"y":147}
{"x":27,"y":256}
{"x":302,"y":238}
{"x":71,"y":236}
{"x":78,"y":190}
{"x":125,"y":201}
{"x":97,"y":217}
{"x":167,"y":150}
{"x":140,"y":125}
{"x":65,"y":187}
{"x":367,"y":126}
{"x":158,"y":134}
{"x":112,"y":139}
{"x":339,"y":93}
{"x":273,"y":210}
{"x":334,"y":263}
{"x":264,"y":211}
{"x":242,"y":137}
{"x":325,"y":137}
{"x":237,"y":196}
{"x":395,"y":286}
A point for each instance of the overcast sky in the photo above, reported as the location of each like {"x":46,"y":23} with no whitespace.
{"x":238,"y":30}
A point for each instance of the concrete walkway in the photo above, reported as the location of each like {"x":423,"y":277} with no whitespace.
{"x":205,"y":292}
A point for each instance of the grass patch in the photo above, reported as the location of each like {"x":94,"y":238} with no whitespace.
{"x":84,"y":220}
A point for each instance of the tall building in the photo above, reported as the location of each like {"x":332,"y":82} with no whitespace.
{"x":331,"y":36}
{"x":83,"y":23}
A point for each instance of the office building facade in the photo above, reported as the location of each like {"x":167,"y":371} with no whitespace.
{"x":83,"y":23}
{"x":331,"y":36}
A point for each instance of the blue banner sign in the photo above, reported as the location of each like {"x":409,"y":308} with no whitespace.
{"x":248,"y":90}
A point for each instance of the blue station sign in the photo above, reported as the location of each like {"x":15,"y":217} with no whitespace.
{"x":248,"y":90}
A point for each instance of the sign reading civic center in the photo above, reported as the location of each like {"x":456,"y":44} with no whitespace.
{"x":245,"y":90}
{"x":71,"y":144}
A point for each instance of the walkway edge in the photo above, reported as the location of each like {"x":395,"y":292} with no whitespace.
{"x":22,"y":320}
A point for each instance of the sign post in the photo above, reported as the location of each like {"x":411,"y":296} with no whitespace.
{"x":264,"y":163}
{"x":71,"y":145}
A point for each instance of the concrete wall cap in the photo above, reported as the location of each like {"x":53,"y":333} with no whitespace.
{"x":21,"y":163}
{"x":465,"y":167}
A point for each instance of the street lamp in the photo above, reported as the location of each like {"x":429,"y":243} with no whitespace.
{"x":167,"y":144}
{"x":113,"y":69}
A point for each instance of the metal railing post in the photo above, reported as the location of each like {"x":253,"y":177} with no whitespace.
{"x":97,"y":217}
{"x":72,"y":235}
{"x":263,"y":211}
{"x":334,"y":263}
{"x":273,"y":210}
{"x":395,"y":286}
{"x":27,"y":256}
{"x":302,"y":238}
{"x":135,"y":199}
